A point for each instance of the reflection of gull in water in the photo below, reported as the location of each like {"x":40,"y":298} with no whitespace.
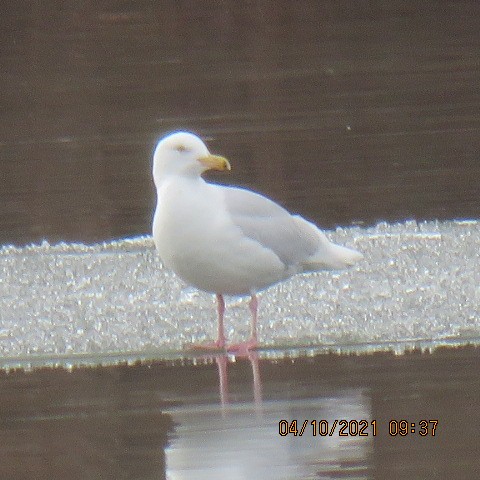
{"x":229,"y":240}
{"x":222,"y":366}
{"x":245,"y":444}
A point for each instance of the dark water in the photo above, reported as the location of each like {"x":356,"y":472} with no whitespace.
{"x":346,"y":112}
{"x":175,"y":421}
{"x":343,"y":111}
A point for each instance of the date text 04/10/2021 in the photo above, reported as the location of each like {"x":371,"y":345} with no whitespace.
{"x":354,"y":428}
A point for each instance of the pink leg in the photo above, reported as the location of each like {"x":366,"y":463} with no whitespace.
{"x":244,"y":347}
{"x":221,"y":311}
{"x":219,"y":344}
{"x":253,"y":306}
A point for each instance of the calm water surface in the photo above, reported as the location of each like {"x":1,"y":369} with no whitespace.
{"x":221,"y":419}
{"x":346,"y":112}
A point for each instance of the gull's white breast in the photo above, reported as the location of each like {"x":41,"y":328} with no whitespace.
{"x":197,"y":239}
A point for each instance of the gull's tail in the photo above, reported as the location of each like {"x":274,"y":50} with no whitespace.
{"x":332,"y":257}
{"x":329,"y":256}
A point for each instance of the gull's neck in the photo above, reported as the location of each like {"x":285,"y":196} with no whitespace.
{"x":189,"y":177}
{"x":162,"y":175}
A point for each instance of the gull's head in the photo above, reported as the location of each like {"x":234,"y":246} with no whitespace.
{"x":183,"y":153}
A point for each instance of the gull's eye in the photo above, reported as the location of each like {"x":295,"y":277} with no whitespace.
{"x":181,"y":148}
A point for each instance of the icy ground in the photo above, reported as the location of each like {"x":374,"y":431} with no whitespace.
{"x":417,"y":282}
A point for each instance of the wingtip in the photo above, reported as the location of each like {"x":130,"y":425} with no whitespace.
{"x":353,"y":257}
{"x":334,"y":257}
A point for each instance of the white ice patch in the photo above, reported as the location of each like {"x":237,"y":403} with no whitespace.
{"x":418,"y":282}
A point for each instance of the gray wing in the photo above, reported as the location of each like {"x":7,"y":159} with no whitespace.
{"x":261,"y":219}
